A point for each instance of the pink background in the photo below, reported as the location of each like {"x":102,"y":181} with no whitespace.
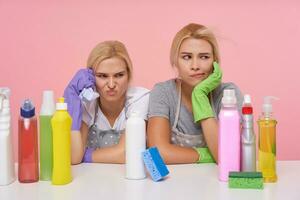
{"x":43,"y":44}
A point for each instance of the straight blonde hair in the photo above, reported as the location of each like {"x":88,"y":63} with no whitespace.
{"x":106,"y":50}
{"x":196,"y":31}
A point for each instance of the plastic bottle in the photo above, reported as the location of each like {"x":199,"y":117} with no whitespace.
{"x":46,"y":149}
{"x":61,"y":126}
{"x":28,"y":144}
{"x":135,"y":139}
{"x":267,"y":142}
{"x":7,"y":167}
{"x":248,"y":150}
{"x":229,"y":136}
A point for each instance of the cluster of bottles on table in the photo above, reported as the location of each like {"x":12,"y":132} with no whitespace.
{"x":55,"y":146}
{"x":237,"y":141}
{"x":54,"y":162}
{"x":237,"y":146}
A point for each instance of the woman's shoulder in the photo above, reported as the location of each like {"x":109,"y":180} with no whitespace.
{"x":137,"y":94}
{"x":168,"y":85}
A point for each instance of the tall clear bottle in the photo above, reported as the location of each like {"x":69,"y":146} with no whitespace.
{"x":46,"y":149}
{"x":248,"y":150}
{"x":28,"y":144}
{"x":61,"y":125}
{"x":267,"y":142}
{"x":229,"y":136}
{"x":7,"y":168}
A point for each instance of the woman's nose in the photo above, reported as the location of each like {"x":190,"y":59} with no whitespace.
{"x":111,"y":83}
{"x":195,"y":65}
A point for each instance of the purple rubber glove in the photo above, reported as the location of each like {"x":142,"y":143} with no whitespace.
{"x":84,"y":78}
{"x":87,"y":157}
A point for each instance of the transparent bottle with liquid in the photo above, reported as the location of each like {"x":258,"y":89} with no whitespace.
{"x":267,"y":142}
{"x":46,"y":144}
{"x":28,"y":167}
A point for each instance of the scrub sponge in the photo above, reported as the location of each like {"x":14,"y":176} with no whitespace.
{"x":246,"y":180}
{"x":155,"y":164}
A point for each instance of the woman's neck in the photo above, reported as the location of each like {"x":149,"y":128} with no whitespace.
{"x":112,"y":109}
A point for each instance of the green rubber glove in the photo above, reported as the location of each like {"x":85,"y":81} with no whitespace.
{"x":201,"y":106}
{"x":204,"y":155}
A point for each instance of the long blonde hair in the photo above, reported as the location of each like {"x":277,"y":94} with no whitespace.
{"x":109,"y":49}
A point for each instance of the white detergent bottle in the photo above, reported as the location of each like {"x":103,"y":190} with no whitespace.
{"x":7,"y":168}
{"x":135,"y":144}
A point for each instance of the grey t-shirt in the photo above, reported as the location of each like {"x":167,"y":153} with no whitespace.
{"x":163,"y":103}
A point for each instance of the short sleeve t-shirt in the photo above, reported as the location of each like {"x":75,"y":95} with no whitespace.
{"x":164,"y":99}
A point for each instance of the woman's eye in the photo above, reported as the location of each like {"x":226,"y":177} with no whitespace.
{"x":204,"y":57}
{"x":186,"y":57}
{"x":101,"y":75}
{"x":119,"y":75}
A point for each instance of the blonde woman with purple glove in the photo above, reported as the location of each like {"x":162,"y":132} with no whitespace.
{"x":100,"y":99}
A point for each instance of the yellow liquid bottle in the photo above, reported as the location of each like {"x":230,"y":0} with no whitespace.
{"x":61,"y":126}
{"x":267,"y":143}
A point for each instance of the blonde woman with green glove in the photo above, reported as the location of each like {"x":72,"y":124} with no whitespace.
{"x":183,"y":111}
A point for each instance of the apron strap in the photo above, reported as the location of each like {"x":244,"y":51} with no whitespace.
{"x":178,"y":106}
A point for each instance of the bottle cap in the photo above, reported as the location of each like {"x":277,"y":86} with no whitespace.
{"x":229,"y":97}
{"x":48,"y":105}
{"x":61,"y":105}
{"x":27,"y":109}
{"x":267,"y":105}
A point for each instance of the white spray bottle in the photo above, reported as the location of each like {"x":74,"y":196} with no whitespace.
{"x":7,"y":168}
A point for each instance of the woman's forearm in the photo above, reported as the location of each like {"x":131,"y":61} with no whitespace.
{"x":77,"y":148}
{"x":210,"y":131}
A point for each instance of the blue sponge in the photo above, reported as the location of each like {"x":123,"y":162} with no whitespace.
{"x":155,"y":164}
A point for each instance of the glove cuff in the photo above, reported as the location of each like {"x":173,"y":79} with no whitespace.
{"x":204,"y":155}
{"x":87,"y":157}
{"x":201,"y":107}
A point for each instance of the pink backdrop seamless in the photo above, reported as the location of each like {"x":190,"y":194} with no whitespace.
{"x":43,"y":44}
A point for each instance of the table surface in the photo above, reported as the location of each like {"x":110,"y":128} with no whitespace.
{"x":191,"y":181}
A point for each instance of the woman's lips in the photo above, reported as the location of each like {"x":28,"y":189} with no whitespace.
{"x":198,"y":75}
{"x":111,"y":93}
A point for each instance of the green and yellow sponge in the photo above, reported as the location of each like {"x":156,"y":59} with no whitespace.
{"x":246,"y":180}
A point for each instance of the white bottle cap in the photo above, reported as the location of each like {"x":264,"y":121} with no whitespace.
{"x":267,"y":106}
{"x":229,"y":97}
{"x":61,"y":105}
{"x":247,"y":99}
{"x":48,"y":105}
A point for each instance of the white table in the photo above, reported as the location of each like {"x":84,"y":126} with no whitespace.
{"x":106,"y":181}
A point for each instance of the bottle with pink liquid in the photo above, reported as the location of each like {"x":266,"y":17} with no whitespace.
{"x":229,"y":136}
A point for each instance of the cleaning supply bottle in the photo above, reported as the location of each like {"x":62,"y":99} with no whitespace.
{"x":46,"y":150}
{"x":135,"y":144}
{"x":229,"y":136}
{"x":61,"y":126}
{"x":267,"y":142}
{"x":7,"y":167}
{"x":248,"y":150}
{"x":28,"y":144}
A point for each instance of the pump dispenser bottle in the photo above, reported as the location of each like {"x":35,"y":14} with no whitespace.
{"x":267,"y":142}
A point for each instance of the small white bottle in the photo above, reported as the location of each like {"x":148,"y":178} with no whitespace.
{"x":7,"y":168}
{"x":135,"y":144}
